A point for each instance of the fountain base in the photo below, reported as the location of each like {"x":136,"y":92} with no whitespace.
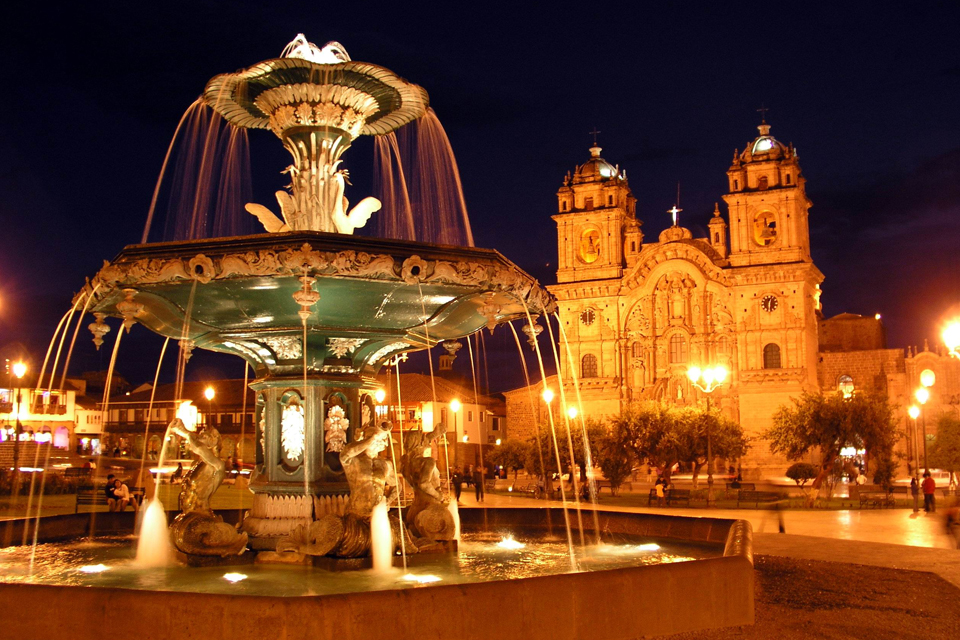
{"x":190,"y":560}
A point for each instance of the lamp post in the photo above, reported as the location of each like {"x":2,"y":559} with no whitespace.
{"x":914,"y":412}
{"x":922,"y":394}
{"x":209,"y":393}
{"x":708,"y":380}
{"x":455,"y":409}
{"x":19,"y":369}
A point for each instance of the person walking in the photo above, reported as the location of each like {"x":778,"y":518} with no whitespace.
{"x":478,"y":474}
{"x":457,"y":483}
{"x":915,"y":492}
{"x":929,"y":487}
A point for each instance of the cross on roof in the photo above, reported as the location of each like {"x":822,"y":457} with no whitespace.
{"x":594,"y":134}
{"x":674,"y":211}
{"x":763,"y":113}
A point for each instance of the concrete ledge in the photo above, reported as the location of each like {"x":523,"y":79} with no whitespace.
{"x":614,"y":604}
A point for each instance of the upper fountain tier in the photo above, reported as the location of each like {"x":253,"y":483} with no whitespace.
{"x":348,"y":97}
{"x":317,"y":101}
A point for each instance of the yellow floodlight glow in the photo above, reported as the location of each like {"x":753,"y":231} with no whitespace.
{"x":928,"y":378}
{"x":694,"y":373}
{"x":922,"y":395}
{"x":209,"y":393}
{"x":914,"y":411}
{"x":548,"y":395}
{"x":19,"y":369}
{"x":379,"y":395}
{"x":572,"y":412}
{"x":455,"y":405}
{"x":720,"y":373}
{"x":951,"y":336}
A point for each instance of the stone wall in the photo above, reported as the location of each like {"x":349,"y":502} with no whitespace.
{"x":852,"y":332}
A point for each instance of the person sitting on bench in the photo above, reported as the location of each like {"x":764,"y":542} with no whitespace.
{"x":123,"y":496}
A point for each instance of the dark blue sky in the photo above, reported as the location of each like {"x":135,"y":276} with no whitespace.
{"x":868,"y":93}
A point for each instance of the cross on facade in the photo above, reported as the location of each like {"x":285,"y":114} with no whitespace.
{"x":763,"y":113}
{"x":674,"y":211}
{"x":594,"y":133}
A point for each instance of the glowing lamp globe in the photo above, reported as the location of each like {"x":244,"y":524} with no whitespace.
{"x":455,"y":405}
{"x":209,"y":393}
{"x":379,"y":395}
{"x":548,"y":395}
{"x":922,"y":395}
{"x":720,"y":373}
{"x":693,"y":373}
{"x":951,"y":335}
{"x":572,"y":412}
{"x":927,"y":378}
{"x":19,"y":369}
{"x":914,"y":411}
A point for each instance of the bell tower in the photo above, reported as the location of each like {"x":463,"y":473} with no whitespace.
{"x":768,"y":204}
{"x":598,"y":233}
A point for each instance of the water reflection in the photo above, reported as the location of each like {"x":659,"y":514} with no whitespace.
{"x":109,"y":562}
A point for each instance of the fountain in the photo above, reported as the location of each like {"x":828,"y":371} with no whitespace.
{"x":316,"y":311}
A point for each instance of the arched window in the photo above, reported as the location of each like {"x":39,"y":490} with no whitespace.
{"x":788,"y":178}
{"x":845,"y":385}
{"x":762,"y":183}
{"x":771,"y":356}
{"x":588,"y":366}
{"x":678,"y":349}
{"x":636,"y":350}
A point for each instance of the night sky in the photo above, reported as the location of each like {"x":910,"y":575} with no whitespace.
{"x":868,"y":94}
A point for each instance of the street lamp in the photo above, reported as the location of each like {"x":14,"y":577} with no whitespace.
{"x":708,"y":380}
{"x":455,"y":409}
{"x":209,"y":393}
{"x":379,"y":395}
{"x":951,"y":337}
{"x":922,"y":394}
{"x":572,"y":412}
{"x":914,"y":412}
{"x":19,"y":370}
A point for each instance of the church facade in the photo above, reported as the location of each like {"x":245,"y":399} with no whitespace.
{"x":638,"y":313}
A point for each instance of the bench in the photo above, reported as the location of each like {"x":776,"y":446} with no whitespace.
{"x":670,"y":496}
{"x":756,"y":497}
{"x":876,"y":499}
{"x":742,"y":486}
{"x":490,"y":484}
{"x":76,"y":472}
{"x":533,"y":489}
{"x":95,"y":496}
{"x":89,"y":496}
{"x":605,"y":484}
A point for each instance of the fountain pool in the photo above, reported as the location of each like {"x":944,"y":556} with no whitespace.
{"x":699,"y":575}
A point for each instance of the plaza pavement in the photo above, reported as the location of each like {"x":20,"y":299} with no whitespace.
{"x":892,"y":538}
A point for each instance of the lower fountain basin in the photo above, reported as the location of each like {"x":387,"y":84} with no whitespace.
{"x":700,"y":577}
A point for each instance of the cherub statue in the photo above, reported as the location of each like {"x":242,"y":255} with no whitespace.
{"x":197,"y":530}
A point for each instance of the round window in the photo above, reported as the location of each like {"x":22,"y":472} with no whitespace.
{"x":588,"y":317}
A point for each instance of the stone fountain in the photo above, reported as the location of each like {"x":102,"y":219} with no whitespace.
{"x":314,"y":309}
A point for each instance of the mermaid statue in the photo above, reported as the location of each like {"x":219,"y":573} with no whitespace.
{"x":429,"y":515}
{"x":371,"y":480}
{"x":197,"y":531}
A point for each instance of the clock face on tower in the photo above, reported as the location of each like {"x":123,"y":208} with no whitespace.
{"x":769,"y":303}
{"x":587,"y":317}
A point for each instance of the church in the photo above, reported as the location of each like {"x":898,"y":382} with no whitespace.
{"x":639,"y":312}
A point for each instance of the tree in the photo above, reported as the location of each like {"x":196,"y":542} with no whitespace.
{"x":510,"y":454}
{"x":802,"y":473}
{"x":615,"y":460}
{"x":661,"y":435}
{"x":826,"y":424}
{"x":649,"y":431}
{"x":726,"y":437}
{"x":944,"y":453}
{"x":541,"y":445}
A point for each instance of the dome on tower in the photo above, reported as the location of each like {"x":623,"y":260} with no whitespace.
{"x":595,"y":169}
{"x":765,"y":147}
